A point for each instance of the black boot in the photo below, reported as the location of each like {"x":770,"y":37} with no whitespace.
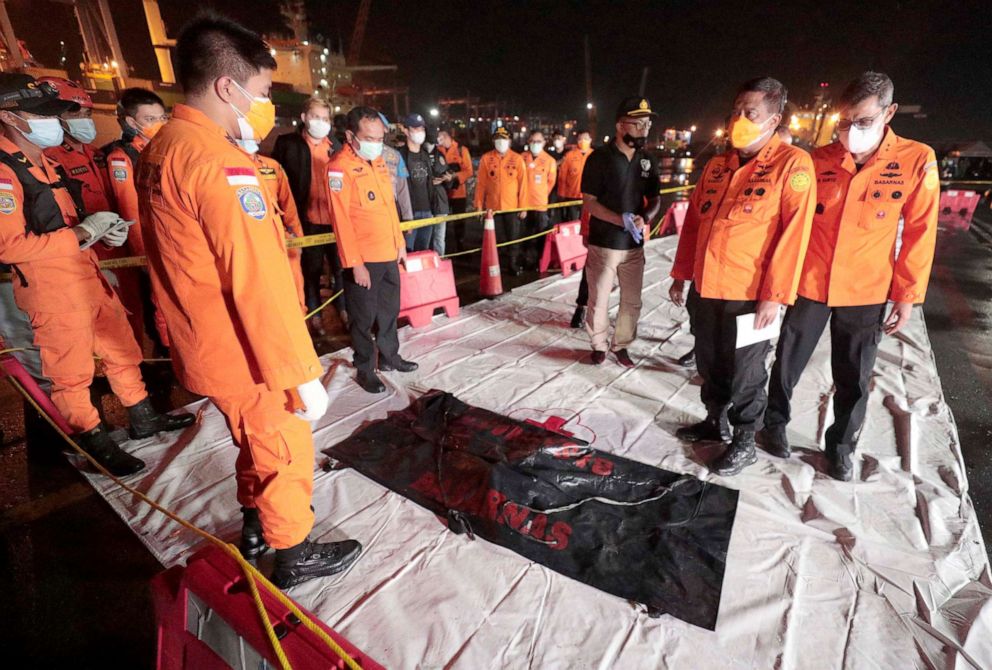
{"x":774,"y":440}
{"x":839,"y":464}
{"x":146,"y":421}
{"x":309,"y":560}
{"x":738,"y":456}
{"x":399,"y":364}
{"x":370,"y":383}
{"x":579,"y":317}
{"x":714,"y":428}
{"x":253,"y":543}
{"x":98,"y":444}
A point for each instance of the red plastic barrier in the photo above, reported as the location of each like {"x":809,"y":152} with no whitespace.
{"x":957,"y":208}
{"x":564,"y":248}
{"x":207,"y":620}
{"x":674,"y":218}
{"x":426,"y":283}
{"x":11,"y":367}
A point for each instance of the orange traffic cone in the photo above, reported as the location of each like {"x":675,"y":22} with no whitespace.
{"x":490,"y":280}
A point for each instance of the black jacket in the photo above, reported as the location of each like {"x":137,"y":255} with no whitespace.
{"x":293,"y":153}
{"x":439,"y":193}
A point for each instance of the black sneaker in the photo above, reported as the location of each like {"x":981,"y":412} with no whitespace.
{"x":98,"y":444}
{"x":309,"y":560}
{"x":774,"y":441}
{"x":738,"y":456}
{"x":400,"y":365}
{"x":839,"y":464}
{"x":579,"y":317}
{"x":146,"y":421}
{"x":370,"y":383}
{"x":688,"y":359}
{"x":597,"y":357}
{"x":714,"y":428}
{"x":252,"y":543}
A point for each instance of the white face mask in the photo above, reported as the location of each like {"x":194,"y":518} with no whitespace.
{"x":502,"y":146}
{"x":318,"y":128}
{"x":248,"y":146}
{"x":369,"y":150}
{"x":83,"y":130}
{"x":559,"y":144}
{"x":43,"y":133}
{"x":536,"y":147}
{"x":418,"y":136}
{"x":859,"y":141}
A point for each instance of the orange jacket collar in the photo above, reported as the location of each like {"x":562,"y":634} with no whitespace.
{"x":764,"y":154}
{"x":187,"y":113}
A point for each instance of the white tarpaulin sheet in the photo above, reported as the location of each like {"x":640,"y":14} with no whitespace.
{"x":887,"y":571}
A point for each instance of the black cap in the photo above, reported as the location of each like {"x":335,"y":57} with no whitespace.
{"x":22,"y":93}
{"x":414,"y":121}
{"x":635,"y":107}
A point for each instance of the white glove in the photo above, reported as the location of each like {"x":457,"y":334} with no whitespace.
{"x":314,"y":398}
{"x":116,"y":237}
{"x":97,"y":224}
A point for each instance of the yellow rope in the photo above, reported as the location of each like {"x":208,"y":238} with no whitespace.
{"x":252,"y":574}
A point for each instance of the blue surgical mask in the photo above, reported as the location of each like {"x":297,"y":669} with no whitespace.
{"x":369,"y":150}
{"x":43,"y":133}
{"x":248,"y":146}
{"x":83,"y":130}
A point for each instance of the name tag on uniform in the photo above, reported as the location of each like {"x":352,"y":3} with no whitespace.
{"x":537,"y":179}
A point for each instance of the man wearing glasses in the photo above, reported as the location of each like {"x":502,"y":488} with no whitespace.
{"x":620,"y":190}
{"x":866,"y":181}
{"x":742,"y":246}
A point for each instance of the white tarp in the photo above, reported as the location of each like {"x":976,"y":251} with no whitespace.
{"x":887,"y":571}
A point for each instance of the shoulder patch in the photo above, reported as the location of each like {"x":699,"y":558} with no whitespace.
{"x":252,"y":202}
{"x":932,"y":180}
{"x":119,"y":174}
{"x":800,"y":181}
{"x":335,"y":180}
{"x":8,"y":203}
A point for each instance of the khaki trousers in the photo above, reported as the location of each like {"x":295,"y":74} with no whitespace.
{"x":603,"y":267}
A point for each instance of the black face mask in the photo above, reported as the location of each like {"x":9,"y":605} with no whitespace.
{"x":635,"y":142}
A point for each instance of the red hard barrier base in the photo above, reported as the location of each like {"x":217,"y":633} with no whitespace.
{"x":563,"y":247}
{"x":11,"y":367}
{"x":427,"y":282}
{"x":957,"y":208}
{"x":674,"y":218}
{"x":207,"y":620}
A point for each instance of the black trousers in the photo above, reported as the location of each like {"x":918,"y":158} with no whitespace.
{"x":508,"y":227}
{"x":691,"y":302}
{"x":454,"y":232}
{"x":854,"y":336}
{"x":732,"y":377}
{"x":582,"y":300}
{"x":570,"y":213}
{"x":376,"y":306}
{"x":312,"y":266}
{"x":537,"y":222}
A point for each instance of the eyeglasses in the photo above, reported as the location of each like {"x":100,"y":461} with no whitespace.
{"x":640,"y":125}
{"x":861,"y":124}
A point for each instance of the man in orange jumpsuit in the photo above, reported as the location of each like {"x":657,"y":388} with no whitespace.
{"x":460,"y":162}
{"x":742,"y":246}
{"x":570,"y":188}
{"x":367,"y":228}
{"x":73,"y":311}
{"x":86,"y":164}
{"x":140,"y":114}
{"x":542,"y":173}
{"x":217,"y":257}
{"x":502,"y":184}
{"x":277,"y":184}
{"x":865,"y":183}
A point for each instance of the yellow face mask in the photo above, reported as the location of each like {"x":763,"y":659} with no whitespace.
{"x":584,"y":144}
{"x":745,"y":133}
{"x":260,"y":118}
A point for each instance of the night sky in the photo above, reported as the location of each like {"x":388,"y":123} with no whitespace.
{"x":530,"y":53}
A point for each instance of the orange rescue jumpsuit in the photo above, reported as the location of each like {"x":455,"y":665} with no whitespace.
{"x":459,"y":155}
{"x":277,"y":184}
{"x":502,"y":184}
{"x":220,"y":274}
{"x":73,"y":311}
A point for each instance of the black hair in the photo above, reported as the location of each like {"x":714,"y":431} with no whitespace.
{"x":132,"y":98}
{"x":583,"y":131}
{"x":774,"y":90}
{"x":356,"y":115}
{"x":212,"y":46}
{"x":866,"y":85}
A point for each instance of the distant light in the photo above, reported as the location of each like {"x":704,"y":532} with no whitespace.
{"x":306,"y":43}
{"x":323,"y":58}
{"x":337,"y":108}
{"x":523,"y":129}
{"x":323,"y":82}
{"x":516,"y":118}
{"x":471,"y":119}
{"x":588,"y":105}
{"x":834,"y":117}
{"x":433,"y":112}
{"x":113,"y":64}
{"x":719,"y":132}
{"x":272,"y":52}
{"x":692,"y":129}
{"x":326,"y":52}
{"x":606,"y":138}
